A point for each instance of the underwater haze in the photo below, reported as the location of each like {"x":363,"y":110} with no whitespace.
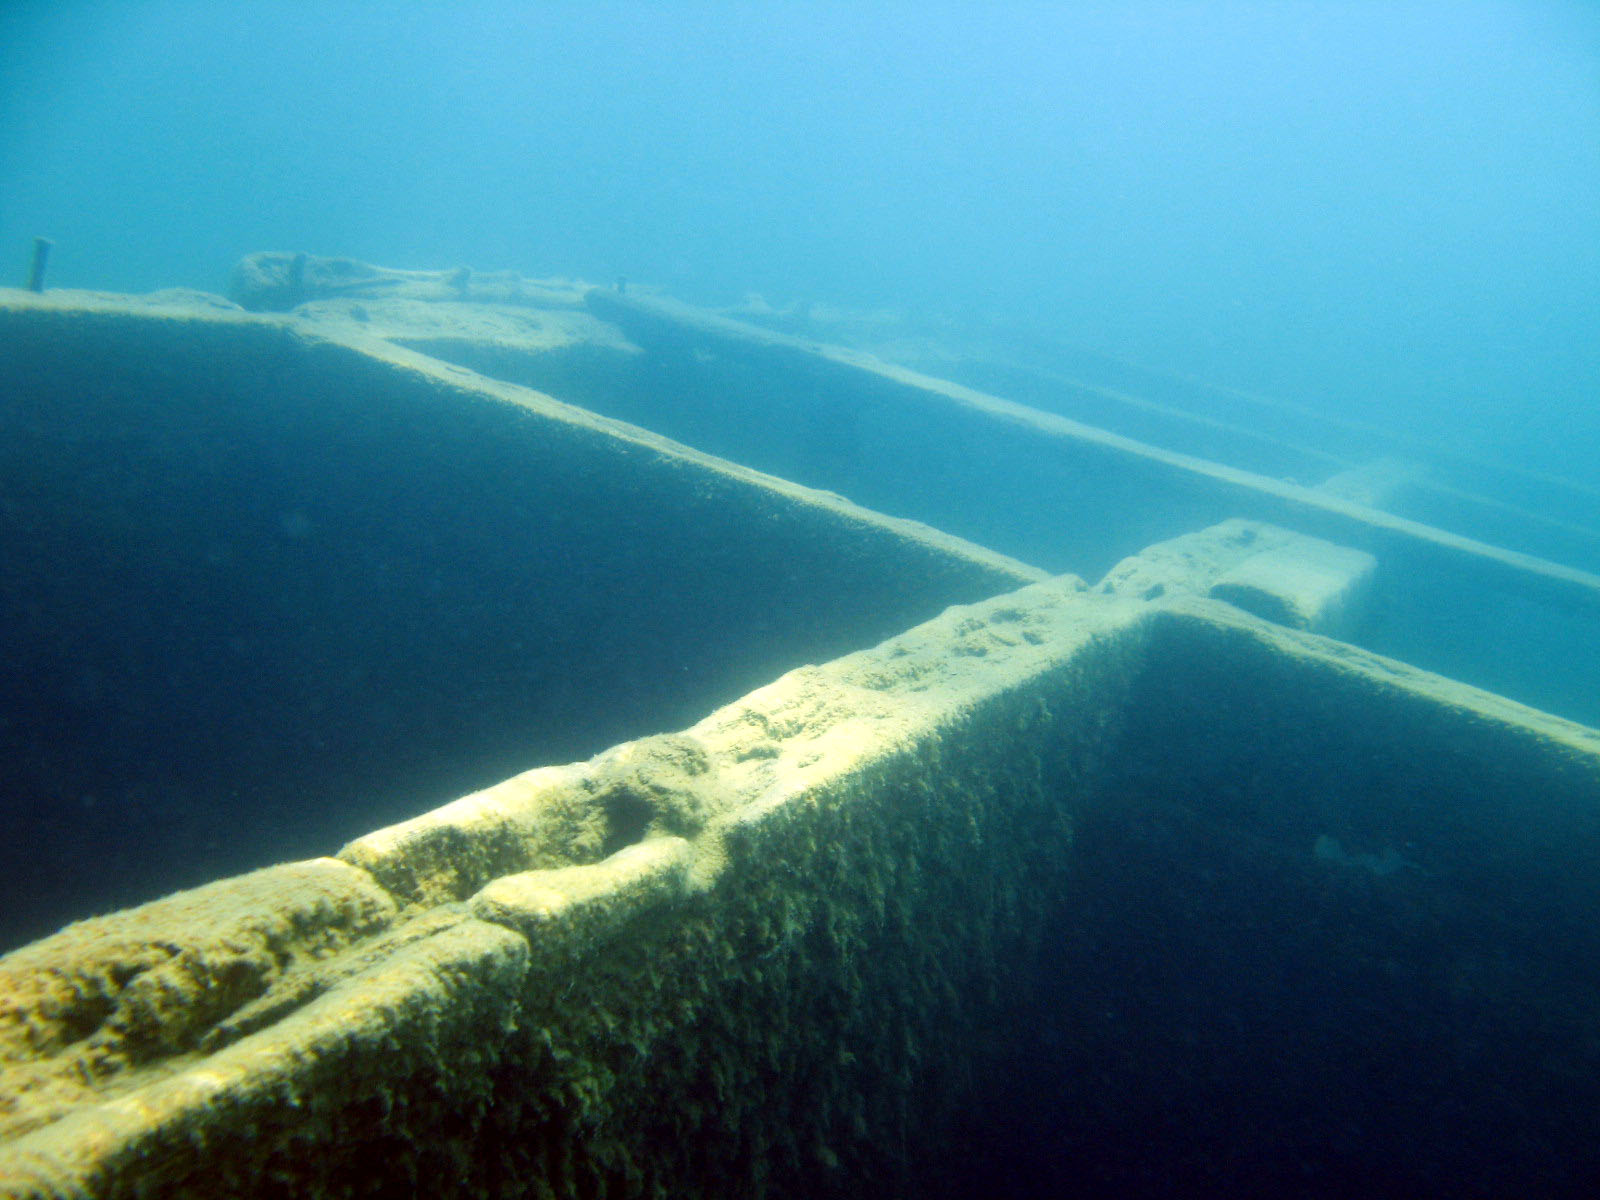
{"x":1388,"y":212}
{"x":769,"y":765}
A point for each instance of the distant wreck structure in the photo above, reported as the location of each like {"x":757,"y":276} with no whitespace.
{"x":480,"y":736}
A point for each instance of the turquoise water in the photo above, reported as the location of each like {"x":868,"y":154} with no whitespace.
{"x":1385,"y":211}
{"x":250,"y":635}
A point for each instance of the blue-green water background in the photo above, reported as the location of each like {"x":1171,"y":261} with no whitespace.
{"x":1388,"y":211}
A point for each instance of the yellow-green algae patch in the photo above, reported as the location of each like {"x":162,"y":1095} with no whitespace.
{"x":105,"y":997}
{"x":585,"y":905}
{"x":733,"y":957}
{"x":769,"y":955}
{"x":398,"y":1044}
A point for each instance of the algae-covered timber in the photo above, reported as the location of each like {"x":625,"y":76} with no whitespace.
{"x":266,"y":588}
{"x":782,"y":952}
{"x":1067,"y":495}
{"x":1049,"y":880}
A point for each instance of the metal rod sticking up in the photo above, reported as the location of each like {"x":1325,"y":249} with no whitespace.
{"x":41,"y":256}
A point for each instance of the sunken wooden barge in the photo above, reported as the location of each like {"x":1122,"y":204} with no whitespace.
{"x":868,"y":784}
